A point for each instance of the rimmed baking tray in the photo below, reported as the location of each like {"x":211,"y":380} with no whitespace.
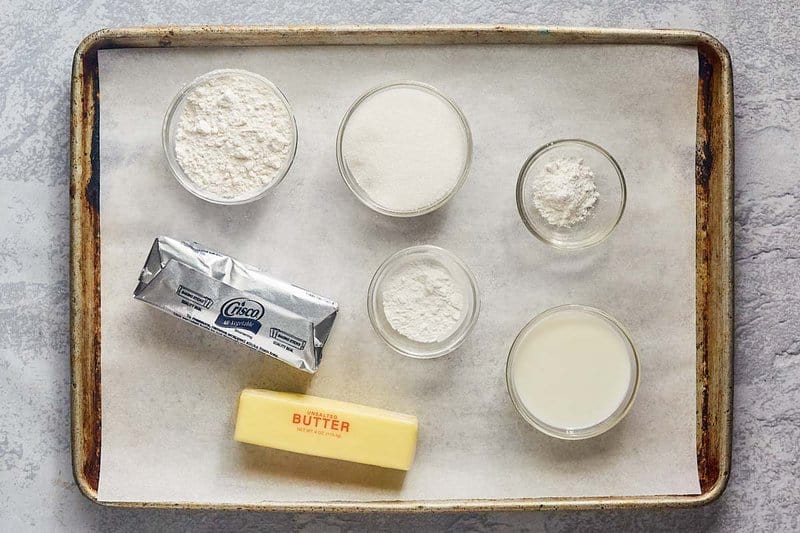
{"x":714,"y":241}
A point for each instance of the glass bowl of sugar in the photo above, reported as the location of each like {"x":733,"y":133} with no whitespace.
{"x":423,"y":301}
{"x":571,"y":194}
{"x":404,"y":149}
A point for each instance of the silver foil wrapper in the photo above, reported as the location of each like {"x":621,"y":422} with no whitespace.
{"x":238,"y":301}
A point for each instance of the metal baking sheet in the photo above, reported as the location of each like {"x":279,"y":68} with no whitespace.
{"x":712,"y":243}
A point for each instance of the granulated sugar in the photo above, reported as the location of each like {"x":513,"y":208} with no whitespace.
{"x":564,"y":192}
{"x":234,"y":135}
{"x":405,"y":147}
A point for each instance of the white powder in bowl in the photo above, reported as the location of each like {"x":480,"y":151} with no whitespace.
{"x":405,"y":147}
{"x":564,"y":192}
{"x":234,"y":135}
{"x":422,"y":301}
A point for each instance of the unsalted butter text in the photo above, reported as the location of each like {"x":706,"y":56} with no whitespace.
{"x":321,"y":420}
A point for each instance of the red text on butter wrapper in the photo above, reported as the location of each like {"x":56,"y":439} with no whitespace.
{"x":321,"y":420}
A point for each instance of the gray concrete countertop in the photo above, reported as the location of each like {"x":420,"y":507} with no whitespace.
{"x":37,"y":492}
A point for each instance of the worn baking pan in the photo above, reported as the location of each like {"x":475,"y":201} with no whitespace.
{"x":714,"y":242}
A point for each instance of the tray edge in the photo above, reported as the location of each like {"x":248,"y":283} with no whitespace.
{"x":80,"y":145}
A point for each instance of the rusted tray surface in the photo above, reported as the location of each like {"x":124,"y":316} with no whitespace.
{"x":714,"y":185}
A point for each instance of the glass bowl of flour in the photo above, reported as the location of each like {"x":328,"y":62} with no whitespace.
{"x":229,"y":136}
{"x":423,"y":301}
{"x":404,"y":149}
{"x":571,"y":193}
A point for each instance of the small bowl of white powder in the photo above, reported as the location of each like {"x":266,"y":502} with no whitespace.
{"x":423,"y":301}
{"x":404,"y":149}
{"x":571,"y":193}
{"x":230,"y":136}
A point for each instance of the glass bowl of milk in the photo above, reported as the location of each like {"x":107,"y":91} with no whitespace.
{"x":573,"y":372}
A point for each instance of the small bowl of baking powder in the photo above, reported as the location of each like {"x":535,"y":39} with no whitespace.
{"x":423,"y":301}
{"x":571,"y":193}
{"x":404,"y":149}
{"x":229,"y":136}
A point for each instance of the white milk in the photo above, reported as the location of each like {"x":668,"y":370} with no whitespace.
{"x":572,"y":370}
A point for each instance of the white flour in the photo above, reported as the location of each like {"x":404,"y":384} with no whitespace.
{"x":234,"y":136}
{"x":421,"y":301}
{"x":405,"y":147}
{"x":564,"y":193}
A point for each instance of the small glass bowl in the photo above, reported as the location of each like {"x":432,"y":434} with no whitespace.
{"x":352,"y":182}
{"x":579,"y":433}
{"x":170,"y":127}
{"x":462,"y":276}
{"x":605,"y":215}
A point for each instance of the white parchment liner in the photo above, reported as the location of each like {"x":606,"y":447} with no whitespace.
{"x":169,"y":391}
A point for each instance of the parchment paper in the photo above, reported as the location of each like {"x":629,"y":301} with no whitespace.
{"x":169,"y":390}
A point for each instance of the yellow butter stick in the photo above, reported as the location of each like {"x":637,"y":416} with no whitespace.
{"x":326,"y":428}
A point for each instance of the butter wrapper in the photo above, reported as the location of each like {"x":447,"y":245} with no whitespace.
{"x":227,"y":297}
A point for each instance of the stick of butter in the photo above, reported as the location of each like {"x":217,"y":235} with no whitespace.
{"x":326,"y":428}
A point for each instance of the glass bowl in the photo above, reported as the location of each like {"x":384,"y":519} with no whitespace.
{"x":462,"y":277}
{"x":352,"y":183}
{"x":573,"y":433}
{"x":607,"y":211}
{"x":170,"y":127}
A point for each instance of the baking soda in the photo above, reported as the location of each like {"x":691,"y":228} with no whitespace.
{"x":564,"y":192}
{"x":422,"y":301}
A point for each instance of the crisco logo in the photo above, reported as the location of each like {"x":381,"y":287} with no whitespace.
{"x":242,"y":308}
{"x":240,"y":313}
